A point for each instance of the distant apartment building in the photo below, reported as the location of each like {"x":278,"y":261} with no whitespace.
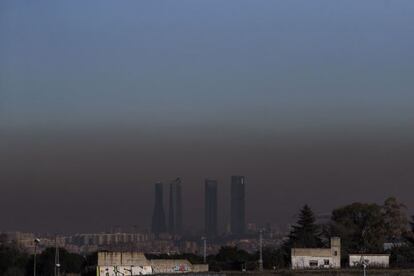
{"x":210,"y":208}
{"x":103,"y":239}
{"x":158,"y":225}
{"x":175,"y":212}
{"x":237,"y":205}
{"x":25,"y":240}
{"x":305,"y":258}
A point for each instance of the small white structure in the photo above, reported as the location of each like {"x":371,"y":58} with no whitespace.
{"x":371,"y":260}
{"x":305,"y":258}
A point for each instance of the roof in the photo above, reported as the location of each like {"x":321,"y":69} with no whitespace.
{"x":312,"y":252}
{"x":122,"y":258}
{"x":169,"y":262}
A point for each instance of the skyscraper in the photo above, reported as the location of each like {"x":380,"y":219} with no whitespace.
{"x":237,"y":208}
{"x":175,"y":214}
{"x":210,"y":207}
{"x":158,"y":217}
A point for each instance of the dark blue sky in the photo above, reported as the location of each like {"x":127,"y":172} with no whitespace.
{"x":215,"y":87}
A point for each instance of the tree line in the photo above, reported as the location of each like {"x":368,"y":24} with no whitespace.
{"x":362,"y":227}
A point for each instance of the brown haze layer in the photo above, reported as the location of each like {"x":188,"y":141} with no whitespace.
{"x":92,"y":179}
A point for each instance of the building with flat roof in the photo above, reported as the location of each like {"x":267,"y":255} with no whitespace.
{"x":370,"y":260}
{"x":305,"y":258}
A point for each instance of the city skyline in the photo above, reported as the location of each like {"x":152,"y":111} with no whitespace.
{"x":206,"y":137}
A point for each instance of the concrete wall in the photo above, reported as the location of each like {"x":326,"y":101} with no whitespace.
{"x":111,"y":263}
{"x":200,"y":268}
{"x":372,"y":260}
{"x":176,"y":266}
{"x":304,"y":262}
{"x":122,"y":259}
{"x":336,"y":252}
{"x":171,"y":266}
{"x":123,"y":270}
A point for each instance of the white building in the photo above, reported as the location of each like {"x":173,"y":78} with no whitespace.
{"x":305,"y":258}
{"x":371,"y":260}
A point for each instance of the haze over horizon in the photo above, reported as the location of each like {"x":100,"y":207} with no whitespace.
{"x":312,"y":101}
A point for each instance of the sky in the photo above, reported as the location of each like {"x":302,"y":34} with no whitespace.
{"x":311,"y":100}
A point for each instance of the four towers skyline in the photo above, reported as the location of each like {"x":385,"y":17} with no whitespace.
{"x":175,"y":218}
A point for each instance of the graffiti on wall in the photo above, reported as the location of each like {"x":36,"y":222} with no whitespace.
{"x":124,"y":270}
{"x":180,"y":268}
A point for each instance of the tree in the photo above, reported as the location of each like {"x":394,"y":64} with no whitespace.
{"x":361,"y":227}
{"x":395,"y":219}
{"x":412,"y":224}
{"x":233,"y":258}
{"x":275,"y":258}
{"x":69,"y":262}
{"x":402,"y":256}
{"x":409,"y":235}
{"x":12,"y":260}
{"x":306,"y":233}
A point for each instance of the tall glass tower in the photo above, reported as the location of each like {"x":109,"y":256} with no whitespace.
{"x":237,"y":202}
{"x":175,"y":214}
{"x":158,"y":216}
{"x":210,"y":208}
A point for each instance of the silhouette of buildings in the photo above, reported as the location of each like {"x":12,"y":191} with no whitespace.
{"x":210,"y":208}
{"x":175,"y":214}
{"x":237,"y":205}
{"x":158,"y":217}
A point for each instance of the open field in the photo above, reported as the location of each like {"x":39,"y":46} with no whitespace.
{"x":342,"y":272}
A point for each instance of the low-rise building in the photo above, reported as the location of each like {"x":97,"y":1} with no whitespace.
{"x":305,"y":258}
{"x":371,"y":260}
{"x":135,"y":263}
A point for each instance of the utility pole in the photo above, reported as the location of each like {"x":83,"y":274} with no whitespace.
{"x":261,"y":250}
{"x":36,"y":242}
{"x":204,"y":249}
{"x":364,"y":263}
{"x":57,"y":264}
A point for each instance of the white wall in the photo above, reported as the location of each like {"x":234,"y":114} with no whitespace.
{"x":371,"y":260}
{"x":303,"y":262}
{"x":156,"y":267}
{"x":123,"y":270}
{"x":122,"y":259}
